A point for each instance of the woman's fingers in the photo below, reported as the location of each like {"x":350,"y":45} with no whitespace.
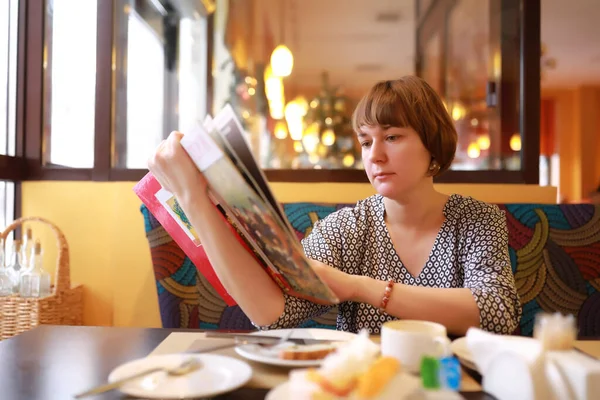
{"x":173,"y":168}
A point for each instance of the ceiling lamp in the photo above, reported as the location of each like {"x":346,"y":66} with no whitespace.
{"x":484,"y":141}
{"x":328,"y":137}
{"x":282,"y":61}
{"x":473,"y":151}
{"x":281,"y":131}
{"x":458,"y":111}
{"x":515,"y":142}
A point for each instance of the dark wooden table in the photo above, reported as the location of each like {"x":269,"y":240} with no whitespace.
{"x":56,"y":362}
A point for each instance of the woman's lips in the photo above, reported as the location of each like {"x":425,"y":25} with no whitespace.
{"x":383,"y":176}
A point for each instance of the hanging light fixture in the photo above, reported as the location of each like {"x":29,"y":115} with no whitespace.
{"x":473,"y":150}
{"x":281,"y":130}
{"x":282,"y":59}
{"x":515,"y":142}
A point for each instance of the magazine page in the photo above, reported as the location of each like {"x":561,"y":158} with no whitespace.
{"x":229,"y":126}
{"x":214,"y":133}
{"x":256,"y":219}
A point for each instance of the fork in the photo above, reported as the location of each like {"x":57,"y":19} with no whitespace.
{"x":237,"y":342}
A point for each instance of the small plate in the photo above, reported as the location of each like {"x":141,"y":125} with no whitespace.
{"x":271,"y":355}
{"x":461,"y":350}
{"x":218,"y":375}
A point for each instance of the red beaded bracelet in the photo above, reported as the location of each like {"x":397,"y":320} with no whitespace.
{"x":386,"y":296}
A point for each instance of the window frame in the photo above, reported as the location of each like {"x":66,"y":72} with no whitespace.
{"x":28,"y":166}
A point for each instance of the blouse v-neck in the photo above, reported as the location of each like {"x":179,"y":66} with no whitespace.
{"x":396,"y":257}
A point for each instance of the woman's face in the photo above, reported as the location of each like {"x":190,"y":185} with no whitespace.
{"x":395,"y":159}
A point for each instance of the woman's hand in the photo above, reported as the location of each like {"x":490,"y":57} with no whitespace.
{"x":342,"y":284}
{"x":175,"y":170}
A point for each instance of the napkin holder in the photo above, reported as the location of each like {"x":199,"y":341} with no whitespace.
{"x":554,"y":375}
{"x":509,"y":375}
{"x":573,"y":375}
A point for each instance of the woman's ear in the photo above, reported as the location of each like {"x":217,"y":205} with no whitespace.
{"x":434,"y":168}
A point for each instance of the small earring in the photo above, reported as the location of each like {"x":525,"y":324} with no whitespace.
{"x":434,"y":167}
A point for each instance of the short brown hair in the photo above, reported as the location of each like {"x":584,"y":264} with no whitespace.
{"x":409,"y":102}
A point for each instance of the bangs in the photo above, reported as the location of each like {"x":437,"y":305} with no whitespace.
{"x":382,"y":106}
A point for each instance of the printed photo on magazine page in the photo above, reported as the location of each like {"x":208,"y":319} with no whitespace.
{"x":170,"y":203}
{"x":256,"y":219}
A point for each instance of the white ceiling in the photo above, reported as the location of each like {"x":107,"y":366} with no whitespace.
{"x":345,"y":38}
{"x":571,"y":32}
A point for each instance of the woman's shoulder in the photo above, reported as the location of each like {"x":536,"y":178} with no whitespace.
{"x":355,"y":214}
{"x":469,"y":209}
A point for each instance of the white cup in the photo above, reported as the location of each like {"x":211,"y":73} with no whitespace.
{"x":409,"y":340}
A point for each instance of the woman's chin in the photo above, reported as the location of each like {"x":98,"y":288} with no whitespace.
{"x":386,"y":190}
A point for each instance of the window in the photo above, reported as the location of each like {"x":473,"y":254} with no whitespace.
{"x":192,"y":72}
{"x":70,"y":83}
{"x":163,"y":54}
{"x":145,"y":91}
{"x":9,"y":12}
{"x":119,"y":75}
{"x":8,"y":76}
{"x":7,"y":203}
{"x":474,"y":53}
{"x":473,"y":65}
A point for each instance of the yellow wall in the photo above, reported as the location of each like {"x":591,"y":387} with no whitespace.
{"x":108,"y":249}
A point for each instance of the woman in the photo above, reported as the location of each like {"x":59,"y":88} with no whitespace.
{"x":407,"y":252}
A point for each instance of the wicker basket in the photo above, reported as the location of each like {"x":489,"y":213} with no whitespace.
{"x":64,"y":306}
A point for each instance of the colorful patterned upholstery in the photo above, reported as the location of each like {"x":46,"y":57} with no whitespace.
{"x":555,"y":253}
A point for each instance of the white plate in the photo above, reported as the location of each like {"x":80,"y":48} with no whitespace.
{"x":219,"y":374}
{"x":270,"y":355}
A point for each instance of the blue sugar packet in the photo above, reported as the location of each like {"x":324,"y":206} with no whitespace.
{"x":449,"y":373}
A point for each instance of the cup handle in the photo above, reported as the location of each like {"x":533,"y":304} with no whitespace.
{"x":443,"y":346}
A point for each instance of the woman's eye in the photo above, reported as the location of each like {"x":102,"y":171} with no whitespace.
{"x":365,"y":144}
{"x":392,"y":138}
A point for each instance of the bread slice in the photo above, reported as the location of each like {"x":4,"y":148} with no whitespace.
{"x":307,"y":351}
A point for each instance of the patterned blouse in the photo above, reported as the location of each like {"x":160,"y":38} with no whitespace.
{"x":470,"y":251}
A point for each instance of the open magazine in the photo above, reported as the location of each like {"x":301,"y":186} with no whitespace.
{"x":241,"y":193}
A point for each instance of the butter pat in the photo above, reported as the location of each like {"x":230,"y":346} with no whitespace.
{"x":555,"y":331}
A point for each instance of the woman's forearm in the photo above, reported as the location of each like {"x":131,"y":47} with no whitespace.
{"x":455,"y":308}
{"x":244,"y":278}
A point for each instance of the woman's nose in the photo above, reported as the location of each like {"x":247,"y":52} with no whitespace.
{"x":377,"y":152}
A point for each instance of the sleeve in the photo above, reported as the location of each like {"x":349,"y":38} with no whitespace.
{"x":324,"y":243}
{"x":488,"y":272}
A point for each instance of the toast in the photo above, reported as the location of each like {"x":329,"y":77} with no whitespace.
{"x":308,"y":352}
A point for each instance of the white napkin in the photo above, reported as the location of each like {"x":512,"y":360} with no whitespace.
{"x":512,"y":367}
{"x":485,"y":346}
